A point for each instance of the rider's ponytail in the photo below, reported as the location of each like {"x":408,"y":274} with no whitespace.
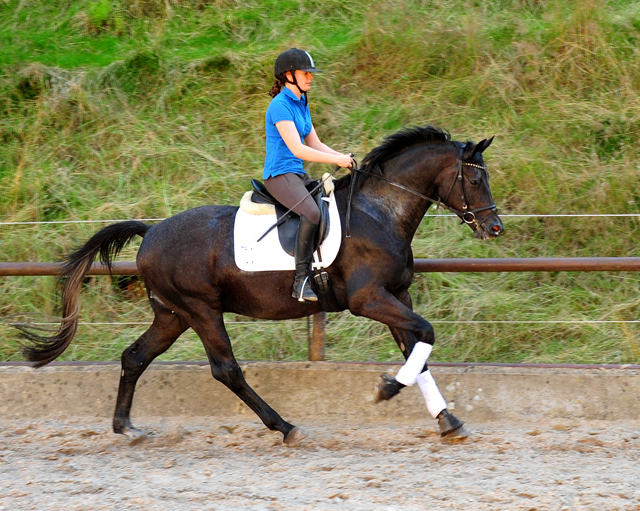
{"x":277,"y":87}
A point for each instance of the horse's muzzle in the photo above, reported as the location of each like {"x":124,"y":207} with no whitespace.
{"x":491,"y":227}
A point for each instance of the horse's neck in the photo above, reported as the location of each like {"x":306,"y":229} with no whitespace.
{"x":398,"y":208}
{"x":392,"y":208}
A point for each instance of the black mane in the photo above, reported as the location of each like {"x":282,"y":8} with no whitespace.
{"x":401,"y":140}
{"x":392,"y":145}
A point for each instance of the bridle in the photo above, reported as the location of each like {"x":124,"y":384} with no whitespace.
{"x":465,"y":214}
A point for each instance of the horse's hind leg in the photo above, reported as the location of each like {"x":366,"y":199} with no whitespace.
{"x":163,"y":332}
{"x":226,"y":370}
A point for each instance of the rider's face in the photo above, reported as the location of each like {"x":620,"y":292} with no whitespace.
{"x":303,"y":79}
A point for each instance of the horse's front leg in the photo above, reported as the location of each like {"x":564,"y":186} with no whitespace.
{"x":415,"y":338}
{"x":388,"y":386}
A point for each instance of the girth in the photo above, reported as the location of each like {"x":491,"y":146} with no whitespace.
{"x":288,"y":221}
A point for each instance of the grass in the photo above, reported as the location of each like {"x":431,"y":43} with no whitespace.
{"x":112,"y":110}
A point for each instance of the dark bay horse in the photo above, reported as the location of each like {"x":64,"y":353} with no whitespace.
{"x":187,"y":264}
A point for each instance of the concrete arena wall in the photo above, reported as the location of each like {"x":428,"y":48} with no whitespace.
{"x":326,"y":392}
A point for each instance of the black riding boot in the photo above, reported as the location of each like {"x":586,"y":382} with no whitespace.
{"x":303,"y":253}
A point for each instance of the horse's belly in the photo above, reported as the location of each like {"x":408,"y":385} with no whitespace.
{"x":264,"y":295}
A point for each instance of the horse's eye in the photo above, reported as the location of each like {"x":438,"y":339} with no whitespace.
{"x":474,"y":182}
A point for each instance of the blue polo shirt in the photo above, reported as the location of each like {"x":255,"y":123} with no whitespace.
{"x":285,"y":107}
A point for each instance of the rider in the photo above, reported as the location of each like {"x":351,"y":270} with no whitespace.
{"x":292,"y":139}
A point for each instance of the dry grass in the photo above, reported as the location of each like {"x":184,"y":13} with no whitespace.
{"x":166,"y":112}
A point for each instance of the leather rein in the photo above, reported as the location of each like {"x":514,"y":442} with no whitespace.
{"x":467,"y":215}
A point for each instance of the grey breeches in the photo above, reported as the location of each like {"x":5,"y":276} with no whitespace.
{"x":289,"y":189}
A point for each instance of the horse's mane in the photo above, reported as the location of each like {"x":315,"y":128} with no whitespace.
{"x":392,"y":145}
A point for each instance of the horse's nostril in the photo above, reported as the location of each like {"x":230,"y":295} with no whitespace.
{"x":496,"y":228}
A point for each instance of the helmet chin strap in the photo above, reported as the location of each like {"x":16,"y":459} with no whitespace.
{"x":295,"y":82}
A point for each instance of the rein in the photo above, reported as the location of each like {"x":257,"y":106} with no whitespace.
{"x":466,"y":215}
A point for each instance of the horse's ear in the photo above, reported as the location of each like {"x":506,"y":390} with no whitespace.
{"x":468,"y":150}
{"x":482,"y":145}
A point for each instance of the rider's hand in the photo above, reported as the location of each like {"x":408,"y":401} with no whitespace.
{"x":345,"y":160}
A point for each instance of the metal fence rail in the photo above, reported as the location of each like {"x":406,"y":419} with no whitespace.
{"x":429,"y":215}
{"x":506,"y":264}
{"x":514,"y":264}
{"x":317,"y":339}
{"x":53,"y":269}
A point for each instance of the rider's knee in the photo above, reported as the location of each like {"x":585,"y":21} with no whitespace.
{"x":312,"y":214}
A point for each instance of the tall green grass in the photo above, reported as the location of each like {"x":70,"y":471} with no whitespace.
{"x":141,"y":109}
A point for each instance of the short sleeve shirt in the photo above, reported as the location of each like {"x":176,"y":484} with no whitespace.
{"x":285,"y":107}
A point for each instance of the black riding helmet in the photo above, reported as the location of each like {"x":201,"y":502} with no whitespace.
{"x":291,"y":60}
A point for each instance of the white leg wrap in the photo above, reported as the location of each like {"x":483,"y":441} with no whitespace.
{"x":435,"y":401}
{"x":414,"y":365}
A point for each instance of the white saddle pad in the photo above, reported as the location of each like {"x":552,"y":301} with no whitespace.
{"x":267,"y":254}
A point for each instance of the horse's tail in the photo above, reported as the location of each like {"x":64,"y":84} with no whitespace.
{"x":107,"y":243}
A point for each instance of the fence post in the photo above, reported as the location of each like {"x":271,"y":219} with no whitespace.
{"x":317,"y":343}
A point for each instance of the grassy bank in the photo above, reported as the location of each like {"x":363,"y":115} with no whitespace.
{"x":109,"y":112}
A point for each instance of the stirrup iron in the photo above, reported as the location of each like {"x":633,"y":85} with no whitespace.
{"x":305,"y":289}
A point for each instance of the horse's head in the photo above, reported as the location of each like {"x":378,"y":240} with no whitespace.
{"x":465,"y":190}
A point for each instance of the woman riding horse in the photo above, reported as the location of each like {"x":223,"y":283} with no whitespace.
{"x":188,"y":266}
{"x":288,"y":129}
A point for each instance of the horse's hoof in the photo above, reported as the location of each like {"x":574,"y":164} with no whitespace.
{"x":295,"y":436}
{"x":135,"y":435}
{"x":450,"y":426}
{"x":457,"y":435}
{"x":386,"y":388}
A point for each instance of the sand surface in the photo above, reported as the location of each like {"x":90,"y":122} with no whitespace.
{"x":198,"y":464}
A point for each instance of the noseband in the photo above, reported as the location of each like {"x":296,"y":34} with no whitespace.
{"x":467,"y":215}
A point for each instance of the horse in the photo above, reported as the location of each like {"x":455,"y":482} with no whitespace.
{"x":187,"y":265}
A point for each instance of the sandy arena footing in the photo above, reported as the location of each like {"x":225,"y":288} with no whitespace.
{"x":543,"y":439}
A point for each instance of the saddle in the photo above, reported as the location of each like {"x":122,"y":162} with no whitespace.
{"x":288,"y":221}
{"x":257,"y":248}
